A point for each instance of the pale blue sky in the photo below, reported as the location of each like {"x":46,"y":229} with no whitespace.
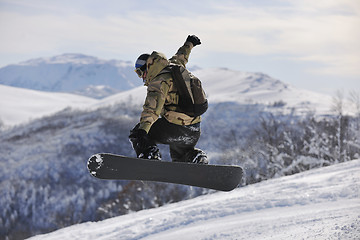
{"x":310,"y":44}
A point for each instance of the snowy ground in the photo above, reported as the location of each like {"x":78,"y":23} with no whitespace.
{"x":19,"y":105}
{"x":318,"y":204}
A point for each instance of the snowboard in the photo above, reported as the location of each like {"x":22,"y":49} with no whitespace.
{"x":117,"y":167}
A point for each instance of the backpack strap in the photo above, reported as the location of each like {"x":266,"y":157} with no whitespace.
{"x":186,"y":100}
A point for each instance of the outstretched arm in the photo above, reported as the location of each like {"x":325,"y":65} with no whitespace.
{"x":182,"y":55}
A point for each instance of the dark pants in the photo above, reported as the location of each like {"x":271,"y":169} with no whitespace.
{"x":181,"y":139}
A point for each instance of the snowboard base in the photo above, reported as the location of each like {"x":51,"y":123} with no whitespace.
{"x":111,"y":166}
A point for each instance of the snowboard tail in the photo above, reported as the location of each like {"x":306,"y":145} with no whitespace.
{"x":117,"y":167}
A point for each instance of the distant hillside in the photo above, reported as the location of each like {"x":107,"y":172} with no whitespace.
{"x":226,"y":85}
{"x":221,"y":85}
{"x":72,"y":73}
{"x":19,"y":105}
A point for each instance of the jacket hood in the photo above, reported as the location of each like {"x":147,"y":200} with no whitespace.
{"x":155,"y":63}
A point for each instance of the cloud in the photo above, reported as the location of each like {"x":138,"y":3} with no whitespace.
{"x":324,"y":31}
{"x":334,"y":64}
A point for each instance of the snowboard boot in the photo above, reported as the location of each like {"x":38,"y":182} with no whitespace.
{"x":197,"y":156}
{"x":143,"y":145}
{"x":151,"y":152}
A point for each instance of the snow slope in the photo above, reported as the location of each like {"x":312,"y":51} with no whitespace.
{"x":19,"y":105}
{"x":245,"y":87}
{"x":225,"y":85}
{"x":317,"y":204}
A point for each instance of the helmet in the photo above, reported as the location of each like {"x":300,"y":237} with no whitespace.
{"x":140,"y":64}
{"x":141,"y":61}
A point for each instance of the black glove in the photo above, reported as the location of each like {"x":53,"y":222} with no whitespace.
{"x":193,"y":39}
{"x":143,"y":146}
{"x":137,"y":133}
{"x":139,"y":139}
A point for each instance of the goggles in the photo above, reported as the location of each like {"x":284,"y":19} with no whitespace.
{"x":140,"y":71}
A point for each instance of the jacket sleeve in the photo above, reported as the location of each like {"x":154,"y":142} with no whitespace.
{"x":154,"y":102}
{"x":182,"y":55}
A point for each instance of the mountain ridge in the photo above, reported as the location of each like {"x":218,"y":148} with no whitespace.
{"x":72,"y":73}
{"x":225,"y":85}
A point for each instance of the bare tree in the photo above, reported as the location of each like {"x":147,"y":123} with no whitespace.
{"x":354,"y":98}
{"x":338,"y":108}
{"x":338,"y":103}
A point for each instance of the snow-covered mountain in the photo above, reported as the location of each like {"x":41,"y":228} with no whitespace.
{"x":114,"y":81}
{"x":246,"y":87}
{"x":317,"y":204}
{"x":221,"y":85}
{"x":72,"y":73}
{"x":225,"y":85}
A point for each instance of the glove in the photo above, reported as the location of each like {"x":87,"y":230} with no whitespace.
{"x":137,"y":133}
{"x":193,"y":39}
{"x":143,"y":146}
{"x":139,"y":139}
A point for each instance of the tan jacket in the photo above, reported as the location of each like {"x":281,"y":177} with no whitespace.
{"x":162,"y":97}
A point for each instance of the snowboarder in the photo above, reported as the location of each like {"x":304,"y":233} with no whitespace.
{"x":161,"y":121}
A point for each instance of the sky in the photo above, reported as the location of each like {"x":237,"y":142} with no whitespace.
{"x":309,"y":44}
